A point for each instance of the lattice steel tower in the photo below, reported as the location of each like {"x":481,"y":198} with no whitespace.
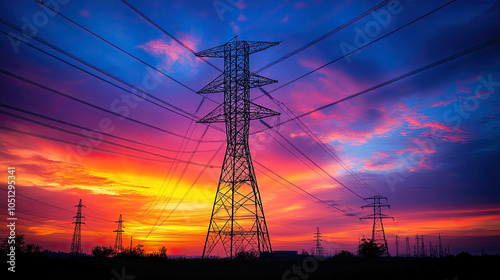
{"x":76,"y":243}
{"x":318,"y":249}
{"x":237,"y":219}
{"x":118,"y":240}
{"x":378,"y":233}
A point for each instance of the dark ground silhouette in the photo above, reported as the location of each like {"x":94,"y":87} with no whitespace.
{"x":461,"y":267}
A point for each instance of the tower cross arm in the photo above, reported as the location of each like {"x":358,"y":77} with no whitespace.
{"x":212,"y":52}
{"x":257,"y":46}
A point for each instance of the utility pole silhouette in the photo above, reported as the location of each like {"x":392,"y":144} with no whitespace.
{"x":237,"y":219}
{"x":423,"y":246}
{"x":118,"y":240}
{"x":378,"y":233}
{"x":76,"y":243}
{"x":441,"y":253}
{"x":318,"y":250}
{"x":417,"y":252}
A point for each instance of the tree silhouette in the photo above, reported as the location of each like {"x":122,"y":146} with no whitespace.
{"x":102,"y":252}
{"x":369,"y":249}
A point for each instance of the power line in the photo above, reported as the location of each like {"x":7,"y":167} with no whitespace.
{"x":90,"y":137}
{"x":177,"y":162}
{"x":324,"y":36}
{"x":186,"y":193}
{"x":393,"y":80}
{"x":355,"y":50}
{"x":181,"y":112}
{"x":169,"y":34}
{"x":115,"y":46}
{"x":302,"y":190}
{"x":172,"y":191}
{"x":171,"y":173}
{"x":313,"y":136}
{"x":94,"y":148}
{"x":94,"y":106}
{"x":54,"y":206}
{"x":92,"y":130}
{"x":313,"y":162}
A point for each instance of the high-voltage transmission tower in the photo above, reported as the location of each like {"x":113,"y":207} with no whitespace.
{"x":237,"y":219}
{"x":378,"y":233}
{"x":76,"y":243}
{"x":318,"y":249}
{"x":118,"y":240}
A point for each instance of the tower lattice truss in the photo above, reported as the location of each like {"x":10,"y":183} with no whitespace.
{"x":119,"y":231}
{"x":378,"y":233}
{"x":76,"y":242}
{"x":237,"y":221}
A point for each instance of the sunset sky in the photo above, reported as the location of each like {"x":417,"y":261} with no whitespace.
{"x":429,"y":142}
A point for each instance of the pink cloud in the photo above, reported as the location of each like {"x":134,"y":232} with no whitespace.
{"x":84,"y":13}
{"x":299,"y":5}
{"x":236,"y":28}
{"x":285,"y":19}
{"x":242,"y":17}
{"x":442,"y":102}
{"x":172,"y":52}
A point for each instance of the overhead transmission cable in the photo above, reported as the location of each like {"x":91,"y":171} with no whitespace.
{"x":55,"y":206}
{"x":92,"y":130}
{"x":187,"y":192}
{"x":90,"y":137}
{"x":310,"y":195}
{"x":393,"y":80}
{"x":113,"y":45}
{"x":326,"y":35}
{"x":174,"y":109}
{"x":94,"y":148}
{"x":313,"y":162}
{"x":95,"y":106}
{"x":122,"y":50}
{"x":169,"y":34}
{"x":318,"y":141}
{"x":357,"y":49}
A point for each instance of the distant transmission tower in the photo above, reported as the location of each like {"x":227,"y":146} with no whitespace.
{"x":318,"y":250}
{"x":119,"y":231}
{"x":423,"y":247}
{"x":76,"y":243}
{"x":237,"y":219}
{"x":378,"y":233}
{"x":440,"y":246}
{"x":417,"y":252}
